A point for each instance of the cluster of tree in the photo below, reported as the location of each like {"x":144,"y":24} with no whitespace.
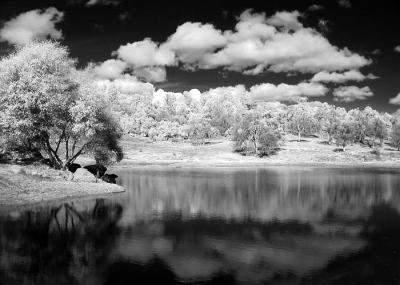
{"x":50,"y":107}
{"x":259,"y":128}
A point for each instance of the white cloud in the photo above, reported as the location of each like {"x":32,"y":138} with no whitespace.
{"x":315,"y":7}
{"x":192,"y":40}
{"x":31,"y":25}
{"x":287,"y":20}
{"x":91,"y":3}
{"x":236,"y":92}
{"x":334,"y":77}
{"x":352,"y":93}
{"x":145,"y":53}
{"x":251,"y":25}
{"x":397,"y":49}
{"x":345,"y":3}
{"x":128,"y":84}
{"x":151,"y":73}
{"x":268,"y":47}
{"x":286,"y":93}
{"x":279,"y":43}
{"x":110,"y":69}
{"x":395,"y":100}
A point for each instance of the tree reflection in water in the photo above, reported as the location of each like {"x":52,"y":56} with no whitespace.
{"x":209,"y":227}
{"x":59,"y":245}
{"x":378,"y":263}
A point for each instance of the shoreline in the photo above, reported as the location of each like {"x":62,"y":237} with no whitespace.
{"x":254,"y":164}
{"x":17,"y":188}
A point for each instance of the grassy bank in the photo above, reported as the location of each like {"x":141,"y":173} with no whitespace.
{"x":310,"y":151}
{"x":35,"y":184}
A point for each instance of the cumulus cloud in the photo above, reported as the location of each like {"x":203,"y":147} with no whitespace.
{"x":192,"y":40}
{"x":345,"y":3}
{"x":397,"y":49}
{"x":278,"y":43}
{"x":91,"y":3}
{"x":334,"y":77}
{"x":352,"y":93}
{"x":395,"y":100}
{"x":289,"y":20}
{"x":286,"y":93}
{"x":315,"y":7}
{"x":145,"y":53}
{"x":110,"y":69}
{"x":151,"y":73}
{"x":127,"y":84}
{"x":31,"y":25}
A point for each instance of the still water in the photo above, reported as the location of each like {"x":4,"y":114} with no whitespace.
{"x":213,"y":226}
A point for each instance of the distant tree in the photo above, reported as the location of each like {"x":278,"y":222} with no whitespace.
{"x":47,"y":104}
{"x":252,"y":134}
{"x":301,"y":120}
{"x":378,"y":128}
{"x":223,"y":108}
{"x":395,"y":136}
{"x":167,"y":130}
{"x":329,"y":118}
{"x":359,"y":124}
{"x":344,"y":134}
{"x":200,"y":129}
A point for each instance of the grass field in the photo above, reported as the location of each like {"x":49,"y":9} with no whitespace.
{"x":310,"y":151}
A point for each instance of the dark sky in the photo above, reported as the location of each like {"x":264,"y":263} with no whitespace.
{"x":92,"y":33}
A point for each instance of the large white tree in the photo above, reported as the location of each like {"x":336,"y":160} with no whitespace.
{"x":46,"y":103}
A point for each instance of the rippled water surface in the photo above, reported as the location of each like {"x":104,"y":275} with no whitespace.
{"x":214,"y":226}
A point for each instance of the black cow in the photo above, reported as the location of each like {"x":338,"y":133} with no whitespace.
{"x":72,"y":167}
{"x":97,"y":170}
{"x":110,"y":178}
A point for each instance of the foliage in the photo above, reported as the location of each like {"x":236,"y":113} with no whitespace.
{"x":167,"y":130}
{"x":253,"y":135}
{"x":344,"y":134}
{"x":395,"y":136}
{"x":200,"y":129}
{"x":223,"y":108}
{"x":329,"y":118}
{"x":301,"y":120}
{"x":47,"y":104}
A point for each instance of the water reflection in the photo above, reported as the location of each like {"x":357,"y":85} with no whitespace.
{"x":57,"y":245}
{"x":225,"y":226}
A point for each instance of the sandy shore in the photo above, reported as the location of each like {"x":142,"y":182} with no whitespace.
{"x":19,"y":188}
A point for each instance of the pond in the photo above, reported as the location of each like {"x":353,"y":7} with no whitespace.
{"x":278,"y":225}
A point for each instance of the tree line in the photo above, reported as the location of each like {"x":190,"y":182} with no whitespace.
{"x":50,"y":107}
{"x":256,"y":128}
